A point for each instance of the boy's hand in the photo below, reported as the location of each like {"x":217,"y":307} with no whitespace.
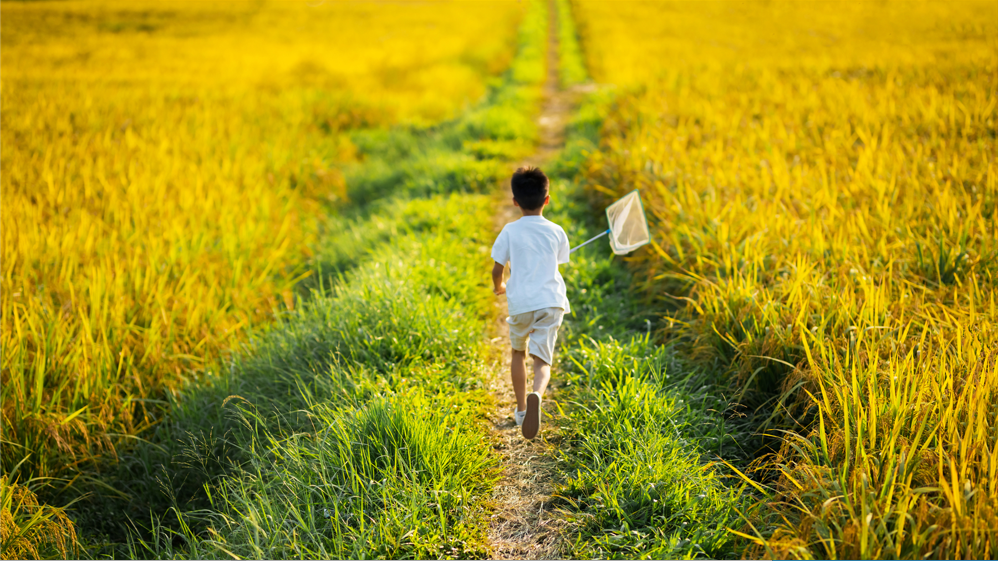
{"x":498,"y":283}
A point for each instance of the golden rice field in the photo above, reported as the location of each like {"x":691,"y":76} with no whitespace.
{"x":823,"y":187}
{"x":165,"y":165}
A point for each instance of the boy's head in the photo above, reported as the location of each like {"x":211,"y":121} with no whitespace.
{"x":530,"y":187}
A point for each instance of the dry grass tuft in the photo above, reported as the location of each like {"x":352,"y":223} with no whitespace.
{"x":29,"y":530}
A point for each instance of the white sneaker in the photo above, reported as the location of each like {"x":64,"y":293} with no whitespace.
{"x":518,"y":416}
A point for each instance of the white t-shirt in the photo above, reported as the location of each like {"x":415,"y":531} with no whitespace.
{"x":534,"y":247}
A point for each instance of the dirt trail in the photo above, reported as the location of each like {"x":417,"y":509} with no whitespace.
{"x":524,"y":525}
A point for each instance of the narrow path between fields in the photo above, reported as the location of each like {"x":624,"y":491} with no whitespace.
{"x":524,"y":525}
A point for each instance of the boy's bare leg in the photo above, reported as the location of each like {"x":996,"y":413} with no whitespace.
{"x":542,"y":375}
{"x":518,"y":373}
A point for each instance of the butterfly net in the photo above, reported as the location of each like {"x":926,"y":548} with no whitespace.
{"x":628,"y":227}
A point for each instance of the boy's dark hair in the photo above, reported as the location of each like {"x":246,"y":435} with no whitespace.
{"x":530,"y":187}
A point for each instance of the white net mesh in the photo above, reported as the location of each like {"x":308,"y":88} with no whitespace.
{"x":628,"y":227}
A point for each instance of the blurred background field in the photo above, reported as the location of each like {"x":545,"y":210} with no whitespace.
{"x":166,"y":170}
{"x":822,"y":180}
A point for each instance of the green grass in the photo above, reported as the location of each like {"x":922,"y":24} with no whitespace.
{"x":644,"y":480}
{"x":396,"y":478}
{"x":646,"y":431}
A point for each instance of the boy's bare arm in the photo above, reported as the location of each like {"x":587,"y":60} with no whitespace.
{"x":498,"y":286}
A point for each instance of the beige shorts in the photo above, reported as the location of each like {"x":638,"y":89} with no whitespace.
{"x":540,"y":327}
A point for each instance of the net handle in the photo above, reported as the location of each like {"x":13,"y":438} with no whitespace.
{"x":590,"y":240}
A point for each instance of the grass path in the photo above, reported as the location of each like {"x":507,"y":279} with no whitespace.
{"x":523,"y":525}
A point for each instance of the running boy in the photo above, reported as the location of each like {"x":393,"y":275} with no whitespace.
{"x":534,"y":247}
